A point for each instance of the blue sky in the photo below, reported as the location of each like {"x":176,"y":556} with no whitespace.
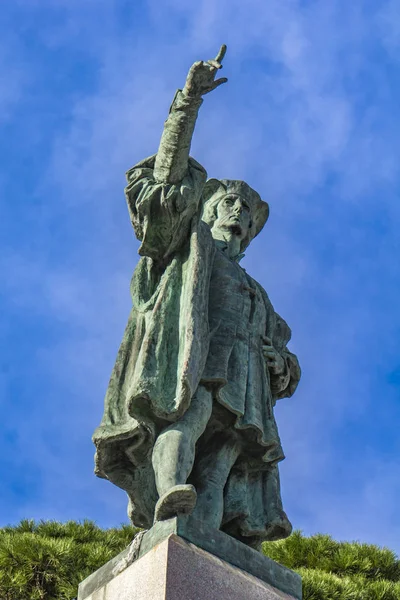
{"x":310,"y":118}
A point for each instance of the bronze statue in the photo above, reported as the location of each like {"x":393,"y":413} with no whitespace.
{"x":189,"y":421}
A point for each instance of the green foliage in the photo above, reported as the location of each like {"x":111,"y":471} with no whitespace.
{"x":47,"y":560}
{"x":319,"y":585}
{"x":339,"y":570}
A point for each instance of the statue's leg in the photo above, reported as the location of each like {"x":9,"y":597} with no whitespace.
{"x":278,"y":525}
{"x":255,"y":497}
{"x":173,"y":457}
{"x":211,"y":473}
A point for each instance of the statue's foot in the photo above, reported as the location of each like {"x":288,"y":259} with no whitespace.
{"x":279,"y":528}
{"x":179,"y":500}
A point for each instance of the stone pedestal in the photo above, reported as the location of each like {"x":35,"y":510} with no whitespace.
{"x":170,"y":567}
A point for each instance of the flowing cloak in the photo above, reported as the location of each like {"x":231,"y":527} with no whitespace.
{"x":166,"y":342}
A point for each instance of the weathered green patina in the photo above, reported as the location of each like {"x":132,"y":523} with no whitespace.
{"x":189,"y":423}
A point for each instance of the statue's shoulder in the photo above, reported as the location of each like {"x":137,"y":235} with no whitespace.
{"x":147,"y":164}
{"x":193,"y":164}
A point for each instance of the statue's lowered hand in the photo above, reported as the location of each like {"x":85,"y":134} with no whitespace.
{"x":201,"y":77}
{"x":274,"y":360}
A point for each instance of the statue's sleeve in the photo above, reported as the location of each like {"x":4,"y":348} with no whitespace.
{"x":284,"y":384}
{"x":161,"y":213}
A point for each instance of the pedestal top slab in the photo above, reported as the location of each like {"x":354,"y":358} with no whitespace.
{"x":178,"y":570}
{"x":219,"y":547}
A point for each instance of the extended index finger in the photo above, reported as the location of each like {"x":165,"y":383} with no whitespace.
{"x":221,"y":53}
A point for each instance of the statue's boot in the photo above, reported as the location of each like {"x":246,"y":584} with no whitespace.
{"x":179,"y":500}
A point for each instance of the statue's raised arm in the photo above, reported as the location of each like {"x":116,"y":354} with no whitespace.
{"x":173,"y":154}
{"x":164,"y":191}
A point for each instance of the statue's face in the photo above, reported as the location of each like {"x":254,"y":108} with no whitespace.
{"x":234,"y":215}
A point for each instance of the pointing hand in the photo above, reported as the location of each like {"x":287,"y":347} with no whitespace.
{"x":201,"y":77}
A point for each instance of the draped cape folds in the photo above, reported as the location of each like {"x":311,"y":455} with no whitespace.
{"x":165,"y":346}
